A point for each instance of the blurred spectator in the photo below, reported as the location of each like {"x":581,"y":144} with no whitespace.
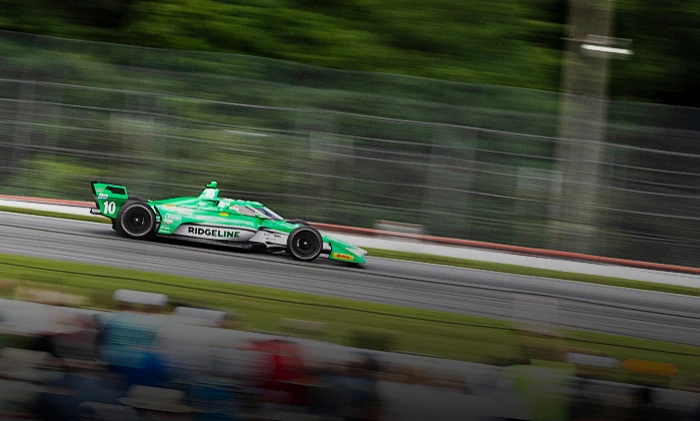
{"x":241,"y":365}
{"x":231,"y":321}
{"x":370,"y":400}
{"x":80,"y":344}
{"x":283,"y":370}
{"x":60,"y":399}
{"x":22,"y":376}
{"x":235,"y":361}
{"x":333,"y":396}
{"x":361,"y":386}
{"x":127,"y":347}
{"x":694,"y":387}
{"x":695,"y":414}
{"x":584,"y":405}
{"x":643,"y":407}
{"x":542,"y":385}
{"x":63,"y":329}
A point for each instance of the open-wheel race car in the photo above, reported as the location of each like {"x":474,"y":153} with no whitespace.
{"x":209,"y":218}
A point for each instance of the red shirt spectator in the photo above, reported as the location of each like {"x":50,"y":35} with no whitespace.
{"x":283,"y":366}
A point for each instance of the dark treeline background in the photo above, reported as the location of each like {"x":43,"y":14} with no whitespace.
{"x":505,"y":42}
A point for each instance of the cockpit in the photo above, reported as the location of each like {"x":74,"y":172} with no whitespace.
{"x":252,"y":211}
{"x":210,"y":196}
{"x":269,"y":213}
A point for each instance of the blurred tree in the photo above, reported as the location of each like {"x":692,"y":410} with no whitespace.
{"x":506,"y":42}
{"x":105,"y":14}
{"x":666,"y":44}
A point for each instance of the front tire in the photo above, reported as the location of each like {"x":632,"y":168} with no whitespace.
{"x":136,"y":219}
{"x":305,"y":243}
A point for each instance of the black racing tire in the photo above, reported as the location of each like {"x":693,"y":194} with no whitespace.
{"x":305,"y":243}
{"x":115,"y":224}
{"x":136,"y":219}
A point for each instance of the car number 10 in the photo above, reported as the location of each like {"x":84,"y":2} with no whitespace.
{"x":110,"y":207}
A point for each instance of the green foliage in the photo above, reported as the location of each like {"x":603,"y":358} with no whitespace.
{"x":50,"y":175}
{"x":666,"y":41}
{"x":479,"y":42}
{"x":504,"y":42}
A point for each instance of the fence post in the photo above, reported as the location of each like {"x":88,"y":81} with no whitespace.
{"x":433,"y":178}
{"x":533,"y":186}
{"x":23,"y":129}
{"x":448,"y":188}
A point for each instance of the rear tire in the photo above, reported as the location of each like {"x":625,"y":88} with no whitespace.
{"x":115,"y":221}
{"x":305,"y":243}
{"x":136,"y":219}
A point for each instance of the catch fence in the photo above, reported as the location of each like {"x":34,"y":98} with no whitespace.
{"x":467,"y":161}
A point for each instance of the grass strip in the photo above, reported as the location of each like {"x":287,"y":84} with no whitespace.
{"x":451,"y":261}
{"x":36,"y":212}
{"x":441,"y":334}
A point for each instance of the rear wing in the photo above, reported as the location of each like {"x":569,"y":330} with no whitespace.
{"x":109,"y":198}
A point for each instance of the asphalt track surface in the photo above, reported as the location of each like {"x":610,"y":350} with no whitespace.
{"x":598,"y":308}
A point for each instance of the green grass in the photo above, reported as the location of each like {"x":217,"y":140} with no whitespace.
{"x":448,"y":335}
{"x":450,"y":261}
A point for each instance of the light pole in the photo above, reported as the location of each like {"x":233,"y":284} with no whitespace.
{"x":582,"y":123}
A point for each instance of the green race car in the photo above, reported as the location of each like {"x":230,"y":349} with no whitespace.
{"x":211,"y":219}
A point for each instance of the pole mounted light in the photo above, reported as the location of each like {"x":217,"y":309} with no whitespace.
{"x":604,"y":47}
{"x":576,"y":220}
